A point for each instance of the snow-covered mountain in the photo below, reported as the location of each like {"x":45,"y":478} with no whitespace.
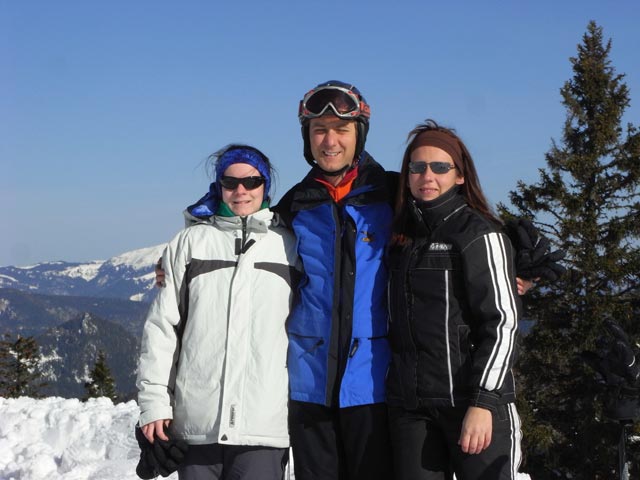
{"x":127,"y":276}
{"x":76,"y":309}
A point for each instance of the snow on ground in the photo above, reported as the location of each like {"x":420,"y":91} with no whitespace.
{"x":64,"y":439}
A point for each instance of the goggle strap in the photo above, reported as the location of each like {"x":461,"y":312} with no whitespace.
{"x":360,"y":107}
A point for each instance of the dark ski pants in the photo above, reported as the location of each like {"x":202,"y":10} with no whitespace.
{"x":233,"y":462}
{"x":340,"y":443}
{"x":425,"y":445}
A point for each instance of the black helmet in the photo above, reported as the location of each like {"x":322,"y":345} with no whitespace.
{"x":344,"y":101}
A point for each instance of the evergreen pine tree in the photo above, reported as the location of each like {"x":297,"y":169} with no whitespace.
{"x":101,"y":382}
{"x":20,"y":373}
{"x":588,"y":201}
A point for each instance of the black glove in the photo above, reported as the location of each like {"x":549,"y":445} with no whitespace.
{"x":622,"y":359}
{"x":169,"y":454}
{"x":147,"y":466}
{"x":160,"y":458}
{"x":533,"y":256}
{"x":615,"y":361}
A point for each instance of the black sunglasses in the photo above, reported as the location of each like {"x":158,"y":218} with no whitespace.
{"x":249,"y":183}
{"x":438,"y":168}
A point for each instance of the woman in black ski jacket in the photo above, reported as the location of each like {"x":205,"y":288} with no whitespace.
{"x":454,"y":315}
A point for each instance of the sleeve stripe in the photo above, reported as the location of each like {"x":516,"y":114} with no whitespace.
{"x":499,"y":363}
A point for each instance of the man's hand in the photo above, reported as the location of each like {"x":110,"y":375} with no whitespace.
{"x":159,"y":271}
{"x":477,"y":428}
{"x":525,"y":285}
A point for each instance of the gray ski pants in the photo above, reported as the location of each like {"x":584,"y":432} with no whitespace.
{"x":233,"y":462}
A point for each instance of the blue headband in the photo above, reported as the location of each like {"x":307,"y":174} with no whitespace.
{"x":208,"y":205}
{"x":248,"y":156}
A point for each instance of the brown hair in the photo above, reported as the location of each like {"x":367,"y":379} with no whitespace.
{"x":470,"y":189}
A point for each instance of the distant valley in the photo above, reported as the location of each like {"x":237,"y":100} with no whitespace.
{"x":76,"y":309}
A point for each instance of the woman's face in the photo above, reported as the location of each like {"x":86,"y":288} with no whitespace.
{"x":428,"y":185}
{"x":241,"y":201}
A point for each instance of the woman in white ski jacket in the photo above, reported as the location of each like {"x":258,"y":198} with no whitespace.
{"x":213,"y":357}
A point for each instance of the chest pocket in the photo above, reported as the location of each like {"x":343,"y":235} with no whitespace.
{"x":435,"y":282}
{"x":438,"y":261}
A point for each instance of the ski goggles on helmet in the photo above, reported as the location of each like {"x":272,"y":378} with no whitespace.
{"x":345,"y":103}
{"x":249,"y":183}
{"x":439,"y":168}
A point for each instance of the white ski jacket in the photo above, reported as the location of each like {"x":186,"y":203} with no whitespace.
{"x":214,"y":345}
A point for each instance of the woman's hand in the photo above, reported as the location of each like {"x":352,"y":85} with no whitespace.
{"x":476,"y":431}
{"x":156,"y":428}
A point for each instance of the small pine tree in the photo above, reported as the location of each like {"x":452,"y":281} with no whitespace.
{"x":20,"y":373}
{"x":588,"y":201}
{"x":101,"y":382}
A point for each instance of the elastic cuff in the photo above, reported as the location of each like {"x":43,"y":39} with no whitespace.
{"x":484,"y":399}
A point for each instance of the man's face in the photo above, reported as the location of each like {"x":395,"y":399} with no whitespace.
{"x":332,"y":141}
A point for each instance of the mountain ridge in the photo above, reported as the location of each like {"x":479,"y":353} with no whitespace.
{"x":127,"y":276}
{"x":30,"y":314}
{"x":75,"y":309}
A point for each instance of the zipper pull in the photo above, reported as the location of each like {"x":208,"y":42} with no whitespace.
{"x":241,"y":243}
{"x":247,"y":245}
{"x":354,"y":348}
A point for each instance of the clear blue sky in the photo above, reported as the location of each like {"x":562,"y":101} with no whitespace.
{"x":108,"y":109}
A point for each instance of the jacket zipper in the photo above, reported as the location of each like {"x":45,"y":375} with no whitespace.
{"x":240,"y":248}
{"x":241,"y":243}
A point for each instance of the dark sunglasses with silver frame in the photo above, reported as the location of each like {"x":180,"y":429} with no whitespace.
{"x":439,"y":168}
{"x":249,"y":183}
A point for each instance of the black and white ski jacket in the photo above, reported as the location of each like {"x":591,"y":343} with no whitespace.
{"x":454,"y":310}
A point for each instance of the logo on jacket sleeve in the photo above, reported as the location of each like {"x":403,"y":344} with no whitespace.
{"x":232,"y":416}
{"x":440,"y":247}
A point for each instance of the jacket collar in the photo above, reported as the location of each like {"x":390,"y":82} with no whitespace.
{"x":258,"y":222}
{"x":369,"y":186}
{"x":430,"y":214}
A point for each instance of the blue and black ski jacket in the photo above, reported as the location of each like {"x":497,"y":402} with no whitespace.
{"x":338,"y":349}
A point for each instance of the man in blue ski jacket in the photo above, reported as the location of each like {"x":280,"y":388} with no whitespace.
{"x":341,"y":214}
